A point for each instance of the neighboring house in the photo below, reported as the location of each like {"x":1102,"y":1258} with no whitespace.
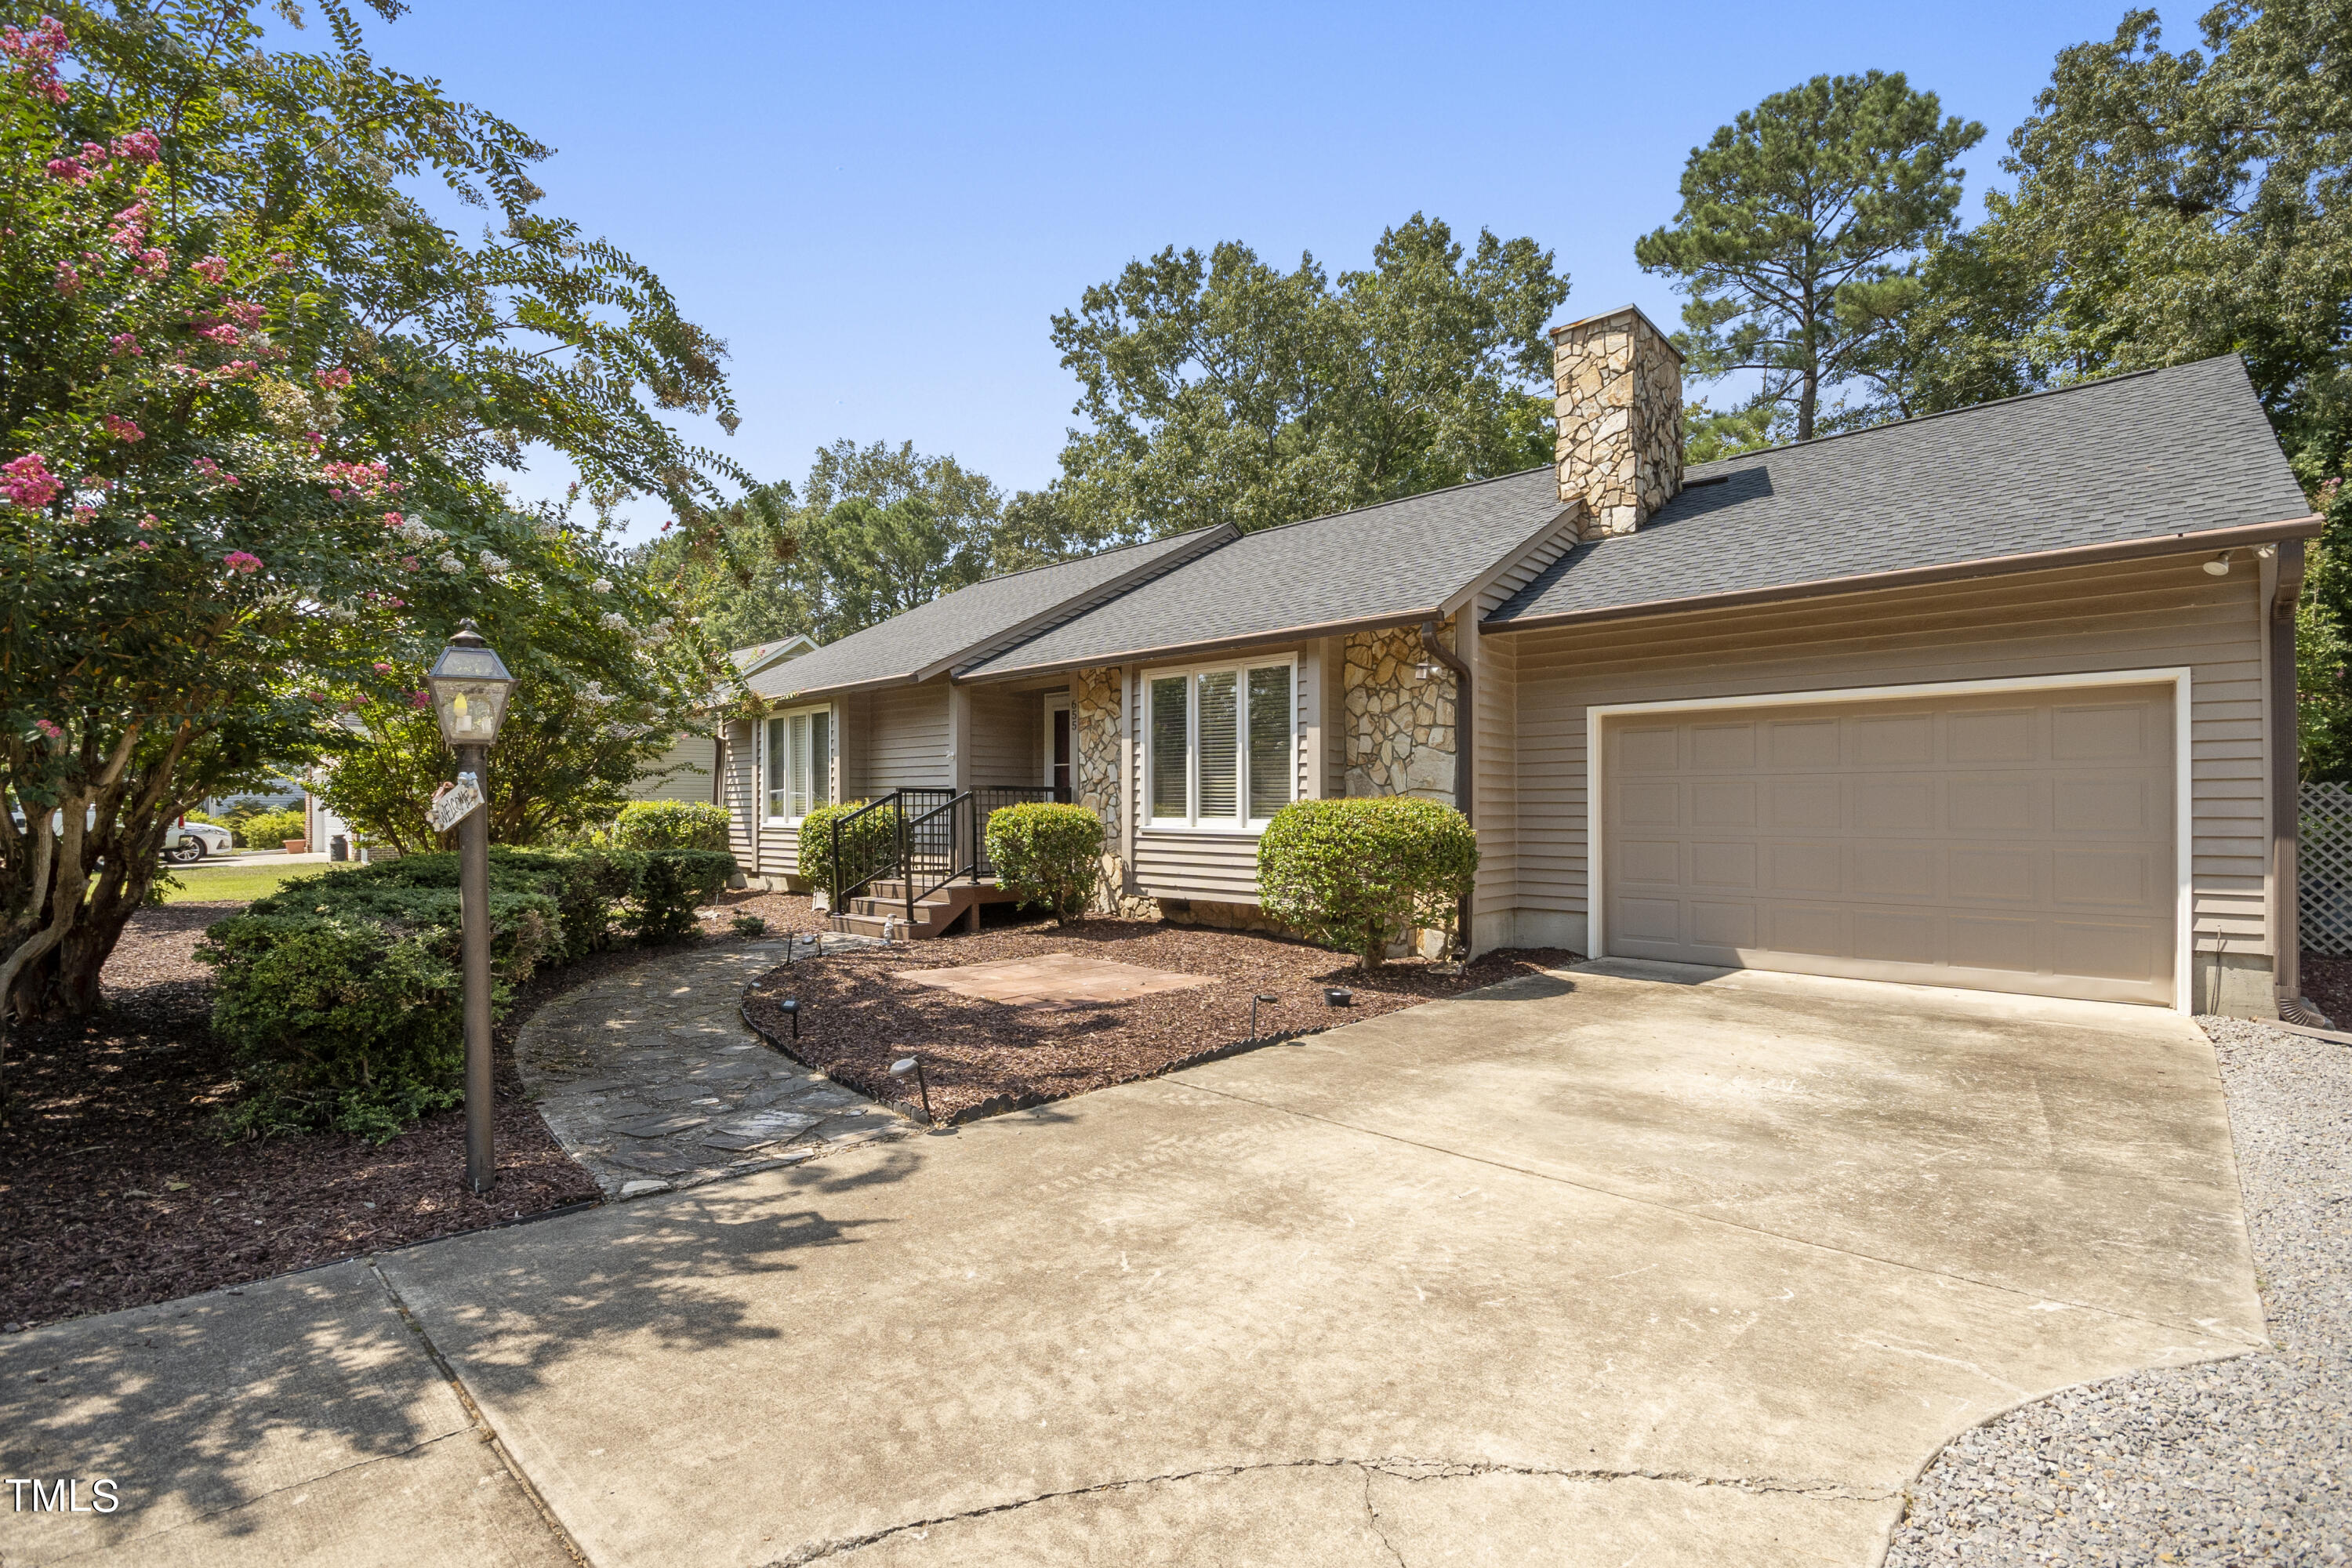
{"x":689,"y":770}
{"x":2000,"y":699}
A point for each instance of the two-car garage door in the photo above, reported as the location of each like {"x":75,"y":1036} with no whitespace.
{"x":2010,"y":841}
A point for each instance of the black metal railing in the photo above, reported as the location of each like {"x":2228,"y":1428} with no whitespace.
{"x":934,"y":836}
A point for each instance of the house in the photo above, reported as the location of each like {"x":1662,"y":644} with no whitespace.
{"x":2000,"y":699}
{"x":689,"y":769}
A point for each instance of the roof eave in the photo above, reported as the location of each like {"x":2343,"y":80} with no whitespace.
{"x":1189,"y":650}
{"x":2212,"y":539}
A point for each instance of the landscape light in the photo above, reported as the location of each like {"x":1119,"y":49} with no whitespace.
{"x":906,"y":1064}
{"x":1261,"y":996}
{"x":791,"y":1007}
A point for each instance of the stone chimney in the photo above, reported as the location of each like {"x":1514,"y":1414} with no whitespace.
{"x":1620,"y":409}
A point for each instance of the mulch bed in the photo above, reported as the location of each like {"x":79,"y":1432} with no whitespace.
{"x":114,"y":1193}
{"x":2328,"y":982}
{"x":980,"y":1057}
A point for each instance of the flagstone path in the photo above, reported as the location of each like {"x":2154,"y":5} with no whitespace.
{"x":650,"y":1079}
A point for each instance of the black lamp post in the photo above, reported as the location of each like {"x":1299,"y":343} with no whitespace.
{"x":470,"y":684}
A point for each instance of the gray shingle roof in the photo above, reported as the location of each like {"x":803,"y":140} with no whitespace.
{"x":968,"y":621}
{"x":2157,"y":452}
{"x":1396,"y":561}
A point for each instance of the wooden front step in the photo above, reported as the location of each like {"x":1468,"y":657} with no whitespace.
{"x":944,"y":909}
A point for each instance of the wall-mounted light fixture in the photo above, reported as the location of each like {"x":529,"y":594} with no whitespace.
{"x":2219,"y":566}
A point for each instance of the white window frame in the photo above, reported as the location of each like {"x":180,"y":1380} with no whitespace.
{"x":831,"y":756}
{"x":1057,"y":702}
{"x":1192,"y":822}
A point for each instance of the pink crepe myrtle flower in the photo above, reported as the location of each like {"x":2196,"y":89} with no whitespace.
{"x":122,"y":343}
{"x":69,"y":280}
{"x":244,"y":312}
{"x":418,"y":699}
{"x":34,"y":56}
{"x":29,"y":482}
{"x":152,"y":264}
{"x":138,"y":147}
{"x":84,"y":513}
{"x":212,"y":268}
{"x":146,"y":544}
{"x":242,"y":561}
{"x":151,"y":521}
{"x":71,"y":171}
{"x":282,"y":260}
{"x":381,"y":668}
{"x":334,"y":380}
{"x":123,"y":429}
{"x":407,"y":563}
{"x":129,"y":231}
{"x":235,"y":370}
{"x":46,"y":728}
{"x":223,"y":333}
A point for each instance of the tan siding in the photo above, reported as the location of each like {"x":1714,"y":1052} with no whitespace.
{"x":1495,"y":783}
{"x":693,"y":758}
{"x":1221,"y":867}
{"x":907,"y":744}
{"x":741,"y":747}
{"x":2145,"y":615}
{"x":1008,"y":744}
{"x":853,"y":771}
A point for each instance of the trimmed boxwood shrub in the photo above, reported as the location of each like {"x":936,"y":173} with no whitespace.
{"x":340,"y":994}
{"x":1359,"y":875}
{"x":670,"y":825}
{"x":1049,"y":854}
{"x":867,"y":842}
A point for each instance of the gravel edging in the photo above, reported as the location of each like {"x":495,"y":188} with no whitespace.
{"x":2239,"y":1461}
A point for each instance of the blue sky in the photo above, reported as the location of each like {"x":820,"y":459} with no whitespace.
{"x":880,"y":207}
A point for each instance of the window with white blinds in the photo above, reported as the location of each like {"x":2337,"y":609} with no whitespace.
{"x":1220,"y":744}
{"x":799,"y":764}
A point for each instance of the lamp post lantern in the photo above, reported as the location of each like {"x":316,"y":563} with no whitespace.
{"x":470,"y":684}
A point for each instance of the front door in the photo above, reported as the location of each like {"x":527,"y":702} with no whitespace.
{"x":1057,"y":750}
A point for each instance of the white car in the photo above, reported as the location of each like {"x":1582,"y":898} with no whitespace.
{"x":192,"y":841}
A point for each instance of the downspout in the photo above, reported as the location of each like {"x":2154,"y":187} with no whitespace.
{"x":2286,"y":791}
{"x":1463,"y":770}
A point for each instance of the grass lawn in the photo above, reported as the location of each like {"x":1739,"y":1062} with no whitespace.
{"x":240,"y":884}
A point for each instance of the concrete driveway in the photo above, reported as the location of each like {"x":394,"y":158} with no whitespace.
{"x":1608,"y":1267}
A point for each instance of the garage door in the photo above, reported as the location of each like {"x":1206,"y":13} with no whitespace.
{"x":2011,"y":843}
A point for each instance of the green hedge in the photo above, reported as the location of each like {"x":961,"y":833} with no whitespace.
{"x":872,"y":837}
{"x":1359,"y":875}
{"x":340,"y":994}
{"x":670,"y":825}
{"x":270,"y":829}
{"x":1050,"y":854}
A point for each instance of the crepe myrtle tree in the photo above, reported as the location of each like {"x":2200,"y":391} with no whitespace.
{"x":251,"y":397}
{"x":604,"y":685}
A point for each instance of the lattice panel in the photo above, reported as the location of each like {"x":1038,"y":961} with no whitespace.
{"x":2325,"y":857}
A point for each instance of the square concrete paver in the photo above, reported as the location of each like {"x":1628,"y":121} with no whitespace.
{"x":1056,"y":979}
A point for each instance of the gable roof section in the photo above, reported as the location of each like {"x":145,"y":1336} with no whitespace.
{"x":1400,"y":561}
{"x":2180,"y":451}
{"x":759,"y":655}
{"x":916,"y":644}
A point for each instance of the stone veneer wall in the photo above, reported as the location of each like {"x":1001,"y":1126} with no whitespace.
{"x":1400,"y":727}
{"x":1620,"y":411}
{"x":1095,"y":733}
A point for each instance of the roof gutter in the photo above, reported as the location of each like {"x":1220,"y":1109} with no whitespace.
{"x":2211,"y":539}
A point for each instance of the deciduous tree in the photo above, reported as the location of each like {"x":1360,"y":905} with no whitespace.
{"x":252,"y":396}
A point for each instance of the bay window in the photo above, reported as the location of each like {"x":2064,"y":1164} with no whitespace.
{"x":1220,"y":744}
{"x":799,"y":764}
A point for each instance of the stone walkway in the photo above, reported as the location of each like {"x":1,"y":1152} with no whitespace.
{"x":650,"y":1079}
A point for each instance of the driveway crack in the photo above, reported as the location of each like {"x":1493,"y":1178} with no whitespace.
{"x":1398,"y":1467}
